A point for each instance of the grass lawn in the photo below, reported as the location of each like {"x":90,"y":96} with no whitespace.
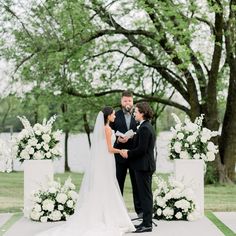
{"x":217,"y":198}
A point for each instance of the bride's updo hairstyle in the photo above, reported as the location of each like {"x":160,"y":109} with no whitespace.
{"x":145,"y":109}
{"x":106,"y":112}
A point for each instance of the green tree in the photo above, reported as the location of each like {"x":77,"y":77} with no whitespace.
{"x":160,"y":45}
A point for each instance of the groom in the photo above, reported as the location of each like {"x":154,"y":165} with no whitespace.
{"x":141,"y":159}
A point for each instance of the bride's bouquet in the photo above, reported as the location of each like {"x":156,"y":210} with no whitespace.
{"x":38,"y":142}
{"x":174,"y":201}
{"x":190,"y":140}
{"x":54,"y":202}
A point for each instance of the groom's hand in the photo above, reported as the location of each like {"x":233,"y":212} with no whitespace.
{"x":124,"y":153}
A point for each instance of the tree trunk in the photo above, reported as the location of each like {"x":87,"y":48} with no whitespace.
{"x":67,"y":168}
{"x":86,"y":128}
{"x":228,"y":137}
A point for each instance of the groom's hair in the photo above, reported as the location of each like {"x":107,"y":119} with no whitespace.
{"x":145,"y":109}
{"x":127,"y":93}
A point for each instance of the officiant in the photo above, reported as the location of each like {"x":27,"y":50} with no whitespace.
{"x":125,"y":121}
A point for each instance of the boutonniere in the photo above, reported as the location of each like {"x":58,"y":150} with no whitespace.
{"x":138,"y":127}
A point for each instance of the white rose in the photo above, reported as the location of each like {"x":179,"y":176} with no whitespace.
{"x":184,"y":155}
{"x":178,"y":215}
{"x":180,"y":136}
{"x":38,"y":155}
{"x":38,"y":132}
{"x":212,"y":147}
{"x":46,"y":138}
{"x":61,"y":198}
{"x":31,"y":151}
{"x":57,"y":135}
{"x":168,"y":211}
{"x":38,"y":146}
{"x":52,"y":190}
{"x":46,"y":147}
{"x":177,"y":147}
{"x":35,"y":215}
{"x":73,"y":195}
{"x":60,"y":207}
{"x":183,"y":204}
{"x":191,"y":139}
{"x":48,"y":205}
{"x":196,"y":156}
{"x":48,"y":154}
{"x":44,"y":219}
{"x":70,"y":203}
{"x":178,"y":127}
{"x":37,"y":208}
{"x":55,"y":215}
{"x":33,"y":142}
{"x":159,"y":211}
{"x":160,"y":202}
{"x":25,"y":155}
{"x":210,"y":156}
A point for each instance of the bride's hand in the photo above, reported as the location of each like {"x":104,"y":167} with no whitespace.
{"x":124,"y":153}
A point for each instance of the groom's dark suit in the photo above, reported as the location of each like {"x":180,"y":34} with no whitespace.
{"x":122,"y":164}
{"x":141,"y":159}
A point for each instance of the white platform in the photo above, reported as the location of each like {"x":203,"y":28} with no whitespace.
{"x":228,"y":218}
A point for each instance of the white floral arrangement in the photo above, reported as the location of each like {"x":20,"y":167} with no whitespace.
{"x":5,"y":157}
{"x":190,"y":140}
{"x":38,"y":142}
{"x":54,"y":202}
{"x":174,"y":201}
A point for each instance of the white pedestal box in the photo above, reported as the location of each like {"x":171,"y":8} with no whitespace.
{"x":36,"y":173}
{"x":191,"y":173}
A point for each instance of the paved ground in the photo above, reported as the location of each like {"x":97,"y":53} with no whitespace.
{"x":25,"y":227}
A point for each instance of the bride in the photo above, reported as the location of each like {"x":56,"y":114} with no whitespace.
{"x":100,"y":209}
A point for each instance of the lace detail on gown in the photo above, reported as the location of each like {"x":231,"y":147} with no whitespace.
{"x":100,"y":209}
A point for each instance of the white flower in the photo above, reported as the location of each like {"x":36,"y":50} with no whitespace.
{"x":60,"y":207}
{"x":44,"y":219}
{"x":35,"y":215}
{"x":211,"y":147}
{"x":73,"y":195}
{"x":61,"y":198}
{"x":159,"y":211}
{"x":183,"y":204}
{"x":48,"y":205}
{"x":191,"y":139}
{"x":48,"y":154}
{"x":38,"y":146}
{"x":38,"y":155}
{"x":178,"y":127}
{"x":196,"y":156}
{"x":32,"y":142}
{"x":177,"y":147}
{"x":52,"y":190}
{"x":184,"y":155}
{"x":25,"y":155}
{"x":70,"y":203}
{"x":31,"y":151}
{"x":210,"y":156}
{"x":69,"y":184}
{"x":37,"y":207}
{"x":180,"y":136}
{"x":178,"y":215}
{"x":160,"y":202}
{"x":46,"y":138}
{"x":46,"y":147}
{"x":55,"y":215}
{"x":57,"y":135}
{"x":168,"y":211}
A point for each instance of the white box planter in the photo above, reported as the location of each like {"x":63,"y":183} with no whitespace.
{"x":36,"y":173}
{"x":191,"y":173}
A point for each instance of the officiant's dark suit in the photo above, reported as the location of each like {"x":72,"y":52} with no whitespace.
{"x":122,"y":165}
{"x":141,"y":160}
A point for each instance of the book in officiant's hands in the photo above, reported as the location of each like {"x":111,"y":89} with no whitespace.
{"x":129,"y":134}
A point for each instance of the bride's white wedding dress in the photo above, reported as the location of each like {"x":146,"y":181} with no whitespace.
{"x":100,"y":210}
